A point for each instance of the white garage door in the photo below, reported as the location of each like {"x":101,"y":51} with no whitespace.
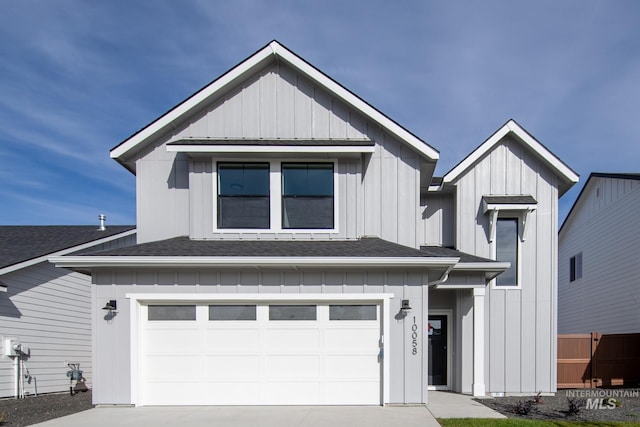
{"x":260,"y":354}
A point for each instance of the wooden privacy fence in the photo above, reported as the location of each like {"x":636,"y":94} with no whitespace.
{"x":598,"y":360}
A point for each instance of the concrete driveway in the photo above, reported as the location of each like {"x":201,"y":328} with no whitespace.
{"x":250,"y":416}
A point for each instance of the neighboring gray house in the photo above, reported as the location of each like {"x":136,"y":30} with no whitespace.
{"x":599,"y":243}
{"x":44,"y":308}
{"x":295,"y":248}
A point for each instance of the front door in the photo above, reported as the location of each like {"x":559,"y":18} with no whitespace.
{"x":437,"y":332}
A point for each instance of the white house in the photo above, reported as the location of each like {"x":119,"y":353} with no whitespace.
{"x":599,"y":243}
{"x":45,"y":309}
{"x":295,"y":248}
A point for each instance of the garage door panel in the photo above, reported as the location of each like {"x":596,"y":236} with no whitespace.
{"x":359,"y":393}
{"x":296,"y":339}
{"x":170,"y":367}
{"x":353,"y":366}
{"x":171,"y":341}
{"x":291,"y":392}
{"x":231,"y":340}
{"x":292,"y":366}
{"x":232,"y":367}
{"x":232,"y":392}
{"x":348,"y":339}
{"x":174,"y":393}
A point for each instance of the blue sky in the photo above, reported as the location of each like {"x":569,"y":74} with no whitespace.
{"x":77,"y":77}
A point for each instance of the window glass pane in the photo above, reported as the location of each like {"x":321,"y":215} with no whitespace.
{"x":307,"y":179}
{"x":232,"y":312}
{"x":307,"y":212}
{"x":507,"y":250}
{"x":243,"y":212}
{"x":171,"y":312}
{"x":352,"y":312}
{"x":307,"y":195}
{"x":572,"y":269}
{"x":243,"y":195}
{"x":292,"y":312}
{"x":243,"y":179}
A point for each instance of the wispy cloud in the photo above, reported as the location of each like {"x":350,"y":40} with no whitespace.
{"x":78,"y":77}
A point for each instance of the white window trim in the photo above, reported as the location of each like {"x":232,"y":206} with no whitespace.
{"x":136,"y":302}
{"x":275,"y":197}
{"x":519,"y":241}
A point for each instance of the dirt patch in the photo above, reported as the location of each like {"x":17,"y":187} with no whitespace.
{"x":591,"y":405}
{"x":33,"y":410}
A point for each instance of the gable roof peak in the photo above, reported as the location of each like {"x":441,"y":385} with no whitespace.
{"x":511,"y":127}
{"x":274,"y":49}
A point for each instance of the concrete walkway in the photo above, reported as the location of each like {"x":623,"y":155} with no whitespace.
{"x":441,"y":405}
{"x":444,"y":404}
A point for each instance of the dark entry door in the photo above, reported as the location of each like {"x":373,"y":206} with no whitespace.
{"x":437,"y":332}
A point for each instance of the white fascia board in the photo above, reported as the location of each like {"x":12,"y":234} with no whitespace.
{"x":259,"y":297}
{"x":275,"y":49}
{"x":355,"y":102}
{"x":512,"y":127}
{"x":482,"y":266}
{"x":192,"y":102}
{"x":44,"y":258}
{"x":508,"y":207}
{"x":269,"y":149}
{"x":3,"y":287}
{"x":253,"y":262}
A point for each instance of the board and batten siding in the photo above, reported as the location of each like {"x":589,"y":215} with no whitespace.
{"x":408,"y":377}
{"x":603,"y":227}
{"x":378,"y":193}
{"x":521,"y":323}
{"x":437,"y":215}
{"x":47,"y":309}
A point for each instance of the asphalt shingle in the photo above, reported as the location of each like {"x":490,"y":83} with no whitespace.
{"x":22,"y":243}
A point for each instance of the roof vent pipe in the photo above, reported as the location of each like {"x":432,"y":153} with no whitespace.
{"x":102,"y":218}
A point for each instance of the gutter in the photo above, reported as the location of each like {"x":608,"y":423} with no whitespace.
{"x":253,"y":262}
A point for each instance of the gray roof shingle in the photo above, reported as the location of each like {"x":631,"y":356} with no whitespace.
{"x":511,"y":200}
{"x":22,"y":243}
{"x":362,"y":248}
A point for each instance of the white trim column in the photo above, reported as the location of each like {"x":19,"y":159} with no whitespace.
{"x":478,"y":341}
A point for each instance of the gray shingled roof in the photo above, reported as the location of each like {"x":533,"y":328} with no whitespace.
{"x":362,"y":248}
{"x":440,"y":251}
{"x":183,"y":246}
{"x":22,"y":243}
{"x":510,"y":200}
{"x":275,"y":142}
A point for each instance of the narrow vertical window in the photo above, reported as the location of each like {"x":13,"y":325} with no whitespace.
{"x":243,"y":195}
{"x":307,"y":195}
{"x":507,"y":250}
{"x":575,"y":267}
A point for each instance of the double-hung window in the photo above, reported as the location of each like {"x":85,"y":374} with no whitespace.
{"x":243,"y":195}
{"x":307,"y":196}
{"x":507,"y":250}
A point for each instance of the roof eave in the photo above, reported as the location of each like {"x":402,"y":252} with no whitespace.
{"x":84,"y":262}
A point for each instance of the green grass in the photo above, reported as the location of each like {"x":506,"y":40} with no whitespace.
{"x":512,"y":422}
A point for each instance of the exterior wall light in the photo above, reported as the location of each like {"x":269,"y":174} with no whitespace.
{"x":405,"y":306}
{"x":111,"y":306}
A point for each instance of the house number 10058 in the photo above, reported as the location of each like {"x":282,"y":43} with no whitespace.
{"x":414,"y":337}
